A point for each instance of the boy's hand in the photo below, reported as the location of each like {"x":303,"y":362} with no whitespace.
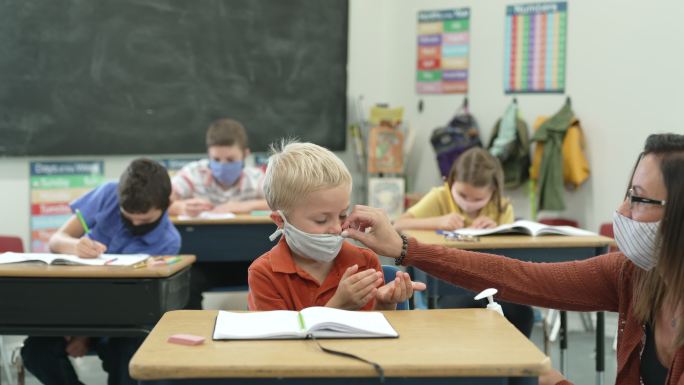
{"x":450,"y":222}
{"x":236,"y":207}
{"x":483,"y":222}
{"x":397,"y":291}
{"x":193,"y":207}
{"x":77,"y":346}
{"x":88,"y":248}
{"x":356,"y":289}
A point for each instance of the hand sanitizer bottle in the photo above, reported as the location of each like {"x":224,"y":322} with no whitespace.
{"x":489,"y":294}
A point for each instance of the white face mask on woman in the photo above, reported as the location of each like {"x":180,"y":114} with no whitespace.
{"x":637,"y":240}
{"x":319,"y":247}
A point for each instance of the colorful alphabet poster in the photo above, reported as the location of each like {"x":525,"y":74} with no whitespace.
{"x":534,"y":54}
{"x":443,"y":47}
{"x":53,"y":186}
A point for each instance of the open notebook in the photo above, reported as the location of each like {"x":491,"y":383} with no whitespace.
{"x":322,"y":322}
{"x":66,"y":259}
{"x":207,"y":215}
{"x":524,"y":227}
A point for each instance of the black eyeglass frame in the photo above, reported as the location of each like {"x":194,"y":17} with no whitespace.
{"x":637,"y":199}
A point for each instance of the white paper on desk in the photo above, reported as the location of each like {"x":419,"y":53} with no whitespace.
{"x":67,"y":259}
{"x":207,"y":215}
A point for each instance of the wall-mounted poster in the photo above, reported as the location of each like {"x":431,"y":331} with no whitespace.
{"x":53,"y":186}
{"x":443,"y":47}
{"x":387,"y":194}
{"x":534,"y":52}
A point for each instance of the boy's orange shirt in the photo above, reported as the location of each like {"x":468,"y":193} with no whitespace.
{"x":277,"y":283}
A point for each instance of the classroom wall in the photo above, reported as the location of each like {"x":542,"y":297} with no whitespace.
{"x":622,"y":76}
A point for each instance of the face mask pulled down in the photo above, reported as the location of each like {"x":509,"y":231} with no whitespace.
{"x":637,"y":240}
{"x":319,"y":247}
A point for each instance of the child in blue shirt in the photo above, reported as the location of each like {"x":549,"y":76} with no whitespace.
{"x":124,"y":218}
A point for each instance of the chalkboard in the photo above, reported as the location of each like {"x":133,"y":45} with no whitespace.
{"x":82,"y":77}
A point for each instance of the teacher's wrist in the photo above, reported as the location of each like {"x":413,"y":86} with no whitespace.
{"x":399,"y":257}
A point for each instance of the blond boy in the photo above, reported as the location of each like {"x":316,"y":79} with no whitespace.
{"x":307,"y":188}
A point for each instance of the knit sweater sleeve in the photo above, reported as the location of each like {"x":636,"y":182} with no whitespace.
{"x":587,"y":285}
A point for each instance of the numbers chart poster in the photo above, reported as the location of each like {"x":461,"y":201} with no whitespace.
{"x":535,"y":48}
{"x":53,"y":186}
{"x":443,"y":47}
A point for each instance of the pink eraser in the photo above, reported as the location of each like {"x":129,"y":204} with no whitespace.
{"x":186,"y":339}
{"x":160,"y":262}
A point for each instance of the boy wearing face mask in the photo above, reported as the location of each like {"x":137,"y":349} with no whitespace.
{"x":308,"y":189}
{"x":127,"y":217}
{"x":472,"y":196}
{"x":221,"y":183}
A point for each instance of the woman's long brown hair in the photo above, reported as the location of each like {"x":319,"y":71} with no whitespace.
{"x":665,"y":283}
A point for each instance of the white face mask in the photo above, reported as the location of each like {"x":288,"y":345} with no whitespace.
{"x":319,"y":247}
{"x":469,"y":206}
{"x":637,"y":240}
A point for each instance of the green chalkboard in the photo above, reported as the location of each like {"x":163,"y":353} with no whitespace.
{"x":82,"y":77}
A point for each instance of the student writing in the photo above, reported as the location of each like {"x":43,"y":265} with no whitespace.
{"x":123,"y":218}
{"x":472,"y":196}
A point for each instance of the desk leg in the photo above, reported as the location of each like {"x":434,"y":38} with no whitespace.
{"x":600,"y":347}
{"x":563,"y":341}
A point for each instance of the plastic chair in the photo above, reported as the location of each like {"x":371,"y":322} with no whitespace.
{"x":13,"y":244}
{"x":390,"y":273}
{"x":606,"y":230}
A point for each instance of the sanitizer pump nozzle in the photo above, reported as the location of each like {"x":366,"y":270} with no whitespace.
{"x":489,"y":294}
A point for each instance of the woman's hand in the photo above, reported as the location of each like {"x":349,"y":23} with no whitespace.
{"x":373,"y":228}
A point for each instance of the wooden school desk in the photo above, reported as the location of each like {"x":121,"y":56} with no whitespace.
{"x":239,"y":239}
{"x":49,"y":300}
{"x":547,"y":248}
{"x":448,"y":346}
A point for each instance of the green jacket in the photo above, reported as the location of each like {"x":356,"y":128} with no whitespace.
{"x":511,"y":144}
{"x":551,"y":133}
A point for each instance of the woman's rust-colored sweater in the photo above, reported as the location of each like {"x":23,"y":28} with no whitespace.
{"x":603,"y":283}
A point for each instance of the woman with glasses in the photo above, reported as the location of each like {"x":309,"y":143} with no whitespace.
{"x":643,"y":283}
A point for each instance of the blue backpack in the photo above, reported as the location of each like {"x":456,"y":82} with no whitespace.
{"x":460,"y":134}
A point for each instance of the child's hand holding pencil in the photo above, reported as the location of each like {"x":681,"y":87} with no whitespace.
{"x":86,"y":247}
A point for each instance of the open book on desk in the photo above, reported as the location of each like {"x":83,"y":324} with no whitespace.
{"x":207,"y":215}
{"x":523,"y":227}
{"x":66,"y":259}
{"x":321,"y":322}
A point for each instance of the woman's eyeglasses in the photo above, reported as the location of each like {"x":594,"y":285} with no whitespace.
{"x":635,"y":200}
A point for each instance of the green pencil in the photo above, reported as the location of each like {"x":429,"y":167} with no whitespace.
{"x":83,"y":222}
